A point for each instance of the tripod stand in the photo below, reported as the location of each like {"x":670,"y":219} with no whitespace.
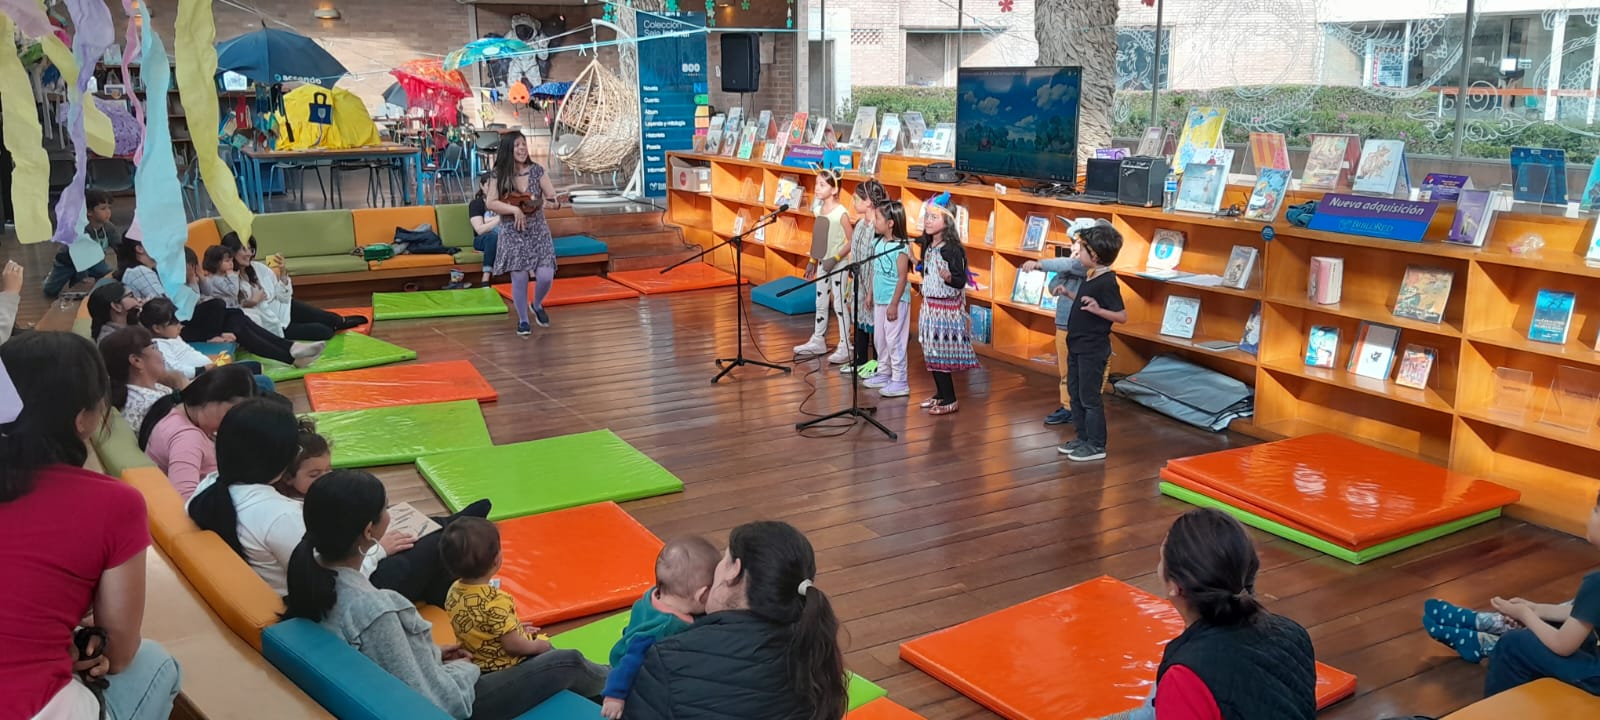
{"x":855,"y":410}
{"x":728,"y":364}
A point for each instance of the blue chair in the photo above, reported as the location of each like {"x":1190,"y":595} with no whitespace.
{"x":449,"y":173}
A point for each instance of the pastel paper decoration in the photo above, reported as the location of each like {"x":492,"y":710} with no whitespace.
{"x":30,"y":193}
{"x":156,"y":180}
{"x":92,"y":21}
{"x":131,"y":50}
{"x":197,"y":71}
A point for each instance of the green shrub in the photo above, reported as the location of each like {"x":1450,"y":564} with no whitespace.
{"x":937,"y":104}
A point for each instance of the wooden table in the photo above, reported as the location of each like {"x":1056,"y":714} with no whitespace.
{"x":410,"y":158}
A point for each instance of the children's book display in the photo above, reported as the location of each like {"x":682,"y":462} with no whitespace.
{"x":1382,"y":168}
{"x":1166,"y":249}
{"x":764,"y":128}
{"x":713,"y":139}
{"x":1241,"y":267}
{"x":939,"y":142}
{"x":1592,"y":256}
{"x":1591,"y":190}
{"x":1201,"y":189}
{"x":1215,"y":156}
{"x":1372,"y":356}
{"x":1574,"y":401}
{"x":1325,"y":282}
{"x":1029,"y":288}
{"x":1033,"y":235}
{"x":747,"y":142}
{"x":1322,"y":346}
{"x":1202,"y":130}
{"x":1152,"y":141}
{"x":963,"y":222}
{"x":1440,"y":187}
{"x":1424,"y":291}
{"x":1539,"y":175}
{"x":1181,"y":317}
{"x":1475,"y":211}
{"x":982,"y":324}
{"x":1272,"y":184}
{"x":1250,"y":342}
{"x":916,"y":127}
{"x":818,"y":131}
{"x":1048,"y":298}
{"x":1331,"y":162}
{"x":732,"y":131}
{"x":861,"y":133}
{"x":889,"y":135}
{"x":1269,"y":151}
{"x":1416,"y":365}
{"x":1552,"y":316}
{"x":789,"y":191}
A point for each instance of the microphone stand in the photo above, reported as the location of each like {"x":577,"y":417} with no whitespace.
{"x":728,"y":364}
{"x":855,"y":410}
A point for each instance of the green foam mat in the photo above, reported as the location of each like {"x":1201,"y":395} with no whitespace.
{"x":1354,"y":557}
{"x":345,"y":351}
{"x":437,"y":303}
{"x":594,"y":640}
{"x":550,"y":474}
{"x":402,"y":433}
{"x":863,"y":691}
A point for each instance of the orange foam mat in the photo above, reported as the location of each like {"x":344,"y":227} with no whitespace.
{"x":388,"y":386}
{"x":882,"y":709}
{"x":365,"y":312}
{"x":576,"y":290}
{"x":1178,"y":477}
{"x":693,"y":276}
{"x":1104,"y":634}
{"x":580,"y":561}
{"x":1344,"y":491}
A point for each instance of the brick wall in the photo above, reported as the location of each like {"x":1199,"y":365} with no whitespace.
{"x":777,"y":91}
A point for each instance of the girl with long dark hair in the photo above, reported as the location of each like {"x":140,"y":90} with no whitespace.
{"x":178,"y":431}
{"x":942,"y":328}
{"x":867,"y":196}
{"x":278,"y":312}
{"x":891,"y":299}
{"x":139,"y":375}
{"x":111,"y":308}
{"x":524,"y":248}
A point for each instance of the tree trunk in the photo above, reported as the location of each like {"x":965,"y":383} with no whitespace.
{"x":1083,"y":33}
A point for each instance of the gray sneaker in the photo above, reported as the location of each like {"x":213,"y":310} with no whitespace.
{"x":1087,"y":452}
{"x":1070,"y":446}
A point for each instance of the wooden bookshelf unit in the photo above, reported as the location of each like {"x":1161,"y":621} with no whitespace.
{"x":1453,"y":422}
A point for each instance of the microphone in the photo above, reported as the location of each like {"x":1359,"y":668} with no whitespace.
{"x":783,"y":207}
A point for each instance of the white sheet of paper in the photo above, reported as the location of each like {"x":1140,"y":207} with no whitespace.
{"x":410,"y":521}
{"x":85,"y":253}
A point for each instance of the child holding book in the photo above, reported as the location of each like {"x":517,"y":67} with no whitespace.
{"x":830,"y":244}
{"x":483,"y":618}
{"x":1069,"y":276}
{"x":684,"y":571}
{"x":891,"y":299}
{"x":1098,"y":305}
{"x":942,"y":328}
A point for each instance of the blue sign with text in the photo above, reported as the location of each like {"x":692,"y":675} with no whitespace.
{"x":1387,"y":218}
{"x":672,"y":87}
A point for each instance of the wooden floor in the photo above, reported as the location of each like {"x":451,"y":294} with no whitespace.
{"x":965,"y":514}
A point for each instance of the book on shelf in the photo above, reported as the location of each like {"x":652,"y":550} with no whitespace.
{"x":1372,"y":356}
{"x":1592,"y":256}
{"x":1250,"y":341}
{"x":1416,"y":365}
{"x":819,"y":130}
{"x":1159,"y":274}
{"x":1033,"y":235}
{"x":1424,"y":291}
{"x":1151,"y":143}
{"x":764,"y":126}
{"x":866,"y":121}
{"x":988,"y":232}
{"x":1241,"y":266}
{"x":1166,"y":249}
{"x":889,"y":134}
{"x":1325,"y":283}
{"x":741,"y":221}
{"x":1552,"y":316}
{"x":1382,"y":168}
{"x":1201,"y":188}
{"x":713,"y":139}
{"x":1029,"y":287}
{"x":1443,"y":187}
{"x":1591,"y":190}
{"x":1198,"y":279}
{"x":1217,"y":345}
{"x":747,"y":142}
{"x":1269,"y":150}
{"x":963,"y":222}
{"x":789,"y":191}
{"x":797,"y":128}
{"x":1272,"y":184}
{"x":1322,"y":346}
{"x":1331,"y":161}
{"x":1539,"y":175}
{"x":1181,"y":316}
{"x":869,"y":160}
{"x":1202,"y":130}
{"x":915,"y":129}
{"x":939,"y":141}
{"x":982,"y":324}
{"x":1474,"y":212}
{"x":1219,"y":156}
{"x":1048,"y":298}
{"x":732,"y":131}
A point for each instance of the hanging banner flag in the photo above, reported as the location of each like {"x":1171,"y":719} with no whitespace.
{"x":30,"y":176}
{"x":92,"y":22}
{"x":162,"y":222}
{"x":197,"y":90}
{"x":672,"y":89}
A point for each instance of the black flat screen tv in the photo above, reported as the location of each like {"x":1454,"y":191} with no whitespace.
{"x":1018,"y":122}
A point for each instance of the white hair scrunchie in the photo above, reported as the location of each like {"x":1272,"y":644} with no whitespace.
{"x":806,"y":585}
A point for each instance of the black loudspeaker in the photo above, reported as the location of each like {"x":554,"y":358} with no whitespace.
{"x":741,"y":62}
{"x":1102,"y":178}
{"x":1143,"y":181}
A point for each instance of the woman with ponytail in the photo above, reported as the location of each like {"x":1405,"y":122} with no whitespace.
{"x":1235,"y":660}
{"x":178,"y":431}
{"x":768,"y":646}
{"x":344,"y":517}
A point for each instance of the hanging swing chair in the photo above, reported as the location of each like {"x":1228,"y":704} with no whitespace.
{"x":596,"y":129}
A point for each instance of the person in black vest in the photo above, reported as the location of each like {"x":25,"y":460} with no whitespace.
{"x":767,"y":647}
{"x":1235,"y":660}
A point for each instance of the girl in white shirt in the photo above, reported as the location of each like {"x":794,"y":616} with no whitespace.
{"x":278,"y":311}
{"x":181,"y":357}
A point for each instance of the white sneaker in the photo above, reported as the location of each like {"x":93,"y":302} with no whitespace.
{"x":306,"y":349}
{"x":841,"y":356}
{"x":814,"y":347}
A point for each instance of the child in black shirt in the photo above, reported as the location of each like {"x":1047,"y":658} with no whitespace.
{"x":1099,"y":305}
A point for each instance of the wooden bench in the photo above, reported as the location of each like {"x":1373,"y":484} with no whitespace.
{"x":1545,"y":699}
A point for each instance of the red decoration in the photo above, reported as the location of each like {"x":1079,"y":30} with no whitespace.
{"x":1007,"y":5}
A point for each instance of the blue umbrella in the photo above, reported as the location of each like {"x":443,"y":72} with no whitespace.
{"x":484,"y":50}
{"x":396,"y":95}
{"x":554,"y":89}
{"x":270,"y":56}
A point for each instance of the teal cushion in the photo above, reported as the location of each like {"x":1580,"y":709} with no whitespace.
{"x":572,"y":245}
{"x":454,"y":227}
{"x":325,"y":264}
{"x":799,"y":302}
{"x":347,"y":684}
{"x":297,"y":234}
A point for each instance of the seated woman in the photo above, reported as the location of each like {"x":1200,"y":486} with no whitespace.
{"x":344,"y":517}
{"x":485,"y":225}
{"x":212,"y":320}
{"x":279,"y":312}
{"x":179,"y":430}
{"x":768,"y":646}
{"x":111,"y":308}
{"x":74,"y":545}
{"x":139,"y":375}
{"x":160,"y":317}
{"x":257,"y":443}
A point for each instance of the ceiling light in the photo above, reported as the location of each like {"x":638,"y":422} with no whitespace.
{"x":326,"y":13}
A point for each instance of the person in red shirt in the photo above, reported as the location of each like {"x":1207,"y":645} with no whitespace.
{"x":74,"y":543}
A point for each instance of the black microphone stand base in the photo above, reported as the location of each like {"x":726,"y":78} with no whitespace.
{"x":868,"y":414}
{"x":728,"y":364}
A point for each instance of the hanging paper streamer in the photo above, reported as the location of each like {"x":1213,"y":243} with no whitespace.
{"x":197,"y":71}
{"x":160,"y":207}
{"x":30,"y":186}
{"x":92,"y":21}
{"x":129,"y":53}
{"x":95,"y":123}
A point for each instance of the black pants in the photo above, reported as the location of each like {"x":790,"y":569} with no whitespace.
{"x":945,"y":387}
{"x":862,"y":346}
{"x":212,"y":318}
{"x":310,"y":323}
{"x":419,"y":573}
{"x":1086,"y":374}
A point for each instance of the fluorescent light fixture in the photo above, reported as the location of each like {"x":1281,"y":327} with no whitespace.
{"x":326,"y":13}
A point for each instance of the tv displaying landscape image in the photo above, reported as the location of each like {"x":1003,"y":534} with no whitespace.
{"x":1018,"y":122}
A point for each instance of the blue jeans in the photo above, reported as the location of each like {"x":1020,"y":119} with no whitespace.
{"x":1521,"y":658}
{"x":62,"y":274}
{"x":486,"y":244}
{"x":146,"y":688}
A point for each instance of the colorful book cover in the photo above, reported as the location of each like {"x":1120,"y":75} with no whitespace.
{"x":889,"y":134}
{"x":1048,"y":299}
{"x":797,"y":128}
{"x":1250,"y":342}
{"x":1441,"y":187}
{"x":1181,"y":318}
{"x":764,"y":126}
{"x":1202,"y":130}
{"x":1416,"y":364}
{"x":1215,"y":156}
{"x":1326,"y":282}
{"x":1424,"y":291}
{"x":1330,"y":162}
{"x":1591,"y":190}
{"x":1373,"y":354}
{"x":1322,"y":346}
{"x":713,"y":139}
{"x":1380,"y":167}
{"x":1028,"y":288}
{"x":1272,"y":184}
{"x":1269,"y":150}
{"x":1166,"y":249}
{"x":747,"y":143}
{"x":1592,"y":257}
{"x":866,"y":122}
{"x":916,"y":127}
{"x":1474,"y":210}
{"x":731,"y":131}
{"x":1539,"y":175}
{"x":1201,"y":188}
{"x":982,"y":324}
{"x":1241,"y":266}
{"x":1552,"y":316}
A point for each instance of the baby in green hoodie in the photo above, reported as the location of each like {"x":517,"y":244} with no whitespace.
{"x":683,"y":580}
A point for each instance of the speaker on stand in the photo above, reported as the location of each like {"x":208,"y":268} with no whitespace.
{"x":741,"y":62}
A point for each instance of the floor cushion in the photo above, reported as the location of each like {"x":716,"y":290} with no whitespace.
{"x":798,"y":302}
{"x":301,"y":234}
{"x":574,"y":245}
{"x":325,"y":264}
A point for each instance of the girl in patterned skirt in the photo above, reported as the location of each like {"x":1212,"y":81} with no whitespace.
{"x":943,"y":331}
{"x":525,"y":247}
